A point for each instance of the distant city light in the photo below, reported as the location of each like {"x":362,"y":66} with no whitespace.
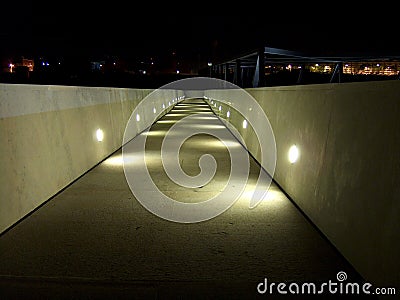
{"x":327,"y":68}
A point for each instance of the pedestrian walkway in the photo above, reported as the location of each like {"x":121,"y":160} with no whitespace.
{"x":94,"y":240}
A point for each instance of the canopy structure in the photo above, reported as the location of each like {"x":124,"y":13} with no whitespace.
{"x":247,"y":70}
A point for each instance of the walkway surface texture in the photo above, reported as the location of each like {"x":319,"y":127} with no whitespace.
{"x":94,"y":240}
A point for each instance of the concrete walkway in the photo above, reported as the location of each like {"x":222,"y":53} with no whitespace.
{"x":94,"y":240}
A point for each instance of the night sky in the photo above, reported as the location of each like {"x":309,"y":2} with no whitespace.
{"x":65,"y":29}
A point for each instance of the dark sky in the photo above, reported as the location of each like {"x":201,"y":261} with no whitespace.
{"x":66,"y":29}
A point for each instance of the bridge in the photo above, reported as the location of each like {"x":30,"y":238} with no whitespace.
{"x":72,"y":227}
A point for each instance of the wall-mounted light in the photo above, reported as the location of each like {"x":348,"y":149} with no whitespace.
{"x":137,"y":117}
{"x":293,"y":154}
{"x":228,"y":114}
{"x":163,"y":106}
{"x":154,"y":110}
{"x":99,"y":135}
{"x":220,"y":108}
{"x":244,"y":124}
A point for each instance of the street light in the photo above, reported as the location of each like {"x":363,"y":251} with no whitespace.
{"x":209,"y":65}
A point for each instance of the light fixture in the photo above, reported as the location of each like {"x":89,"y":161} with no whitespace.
{"x":220,"y":108}
{"x":99,"y":135}
{"x":228,"y":114}
{"x":137,"y":117}
{"x":293,"y":154}
{"x":154,"y":110}
{"x":244,"y":124}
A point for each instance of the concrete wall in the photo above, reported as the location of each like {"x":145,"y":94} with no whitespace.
{"x":347,"y":177}
{"x":48,"y":138}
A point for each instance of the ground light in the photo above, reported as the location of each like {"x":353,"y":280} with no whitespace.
{"x":99,"y":135}
{"x":293,"y":154}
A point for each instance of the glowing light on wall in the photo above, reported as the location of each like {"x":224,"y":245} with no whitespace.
{"x":228,"y":114}
{"x":167,"y":121}
{"x":99,"y":135}
{"x":137,"y":117}
{"x":293,"y":154}
{"x":244,"y":124}
{"x":155,"y":133}
{"x":154,"y":110}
